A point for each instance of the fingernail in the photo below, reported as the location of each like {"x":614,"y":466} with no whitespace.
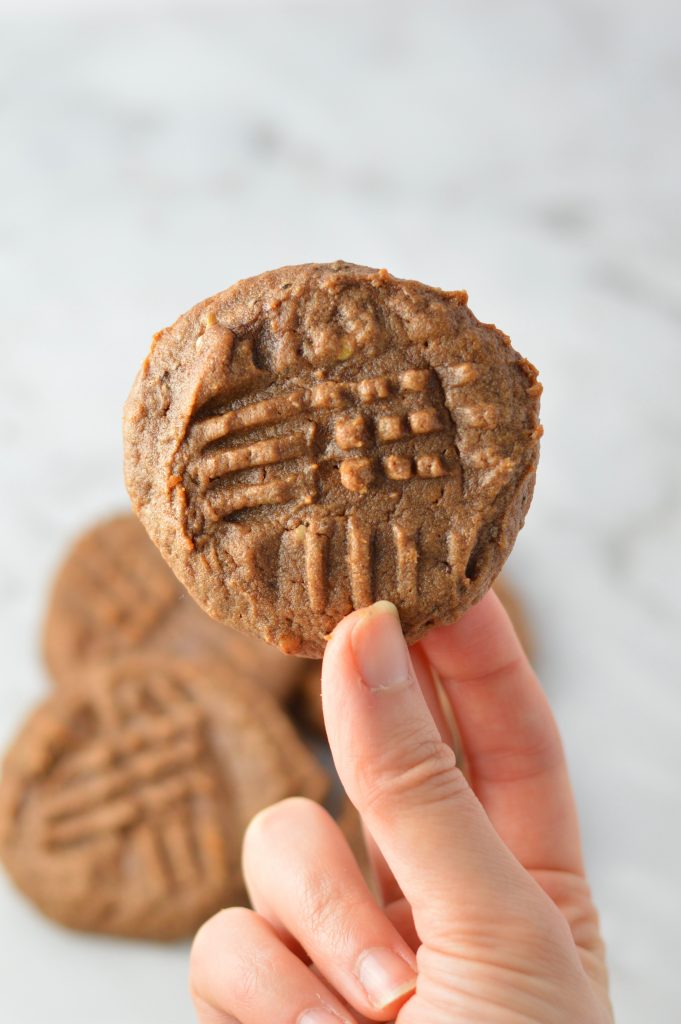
{"x":320,"y":1015}
{"x":380,"y":652}
{"x":385,"y":977}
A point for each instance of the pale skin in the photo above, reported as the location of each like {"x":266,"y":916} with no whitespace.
{"x":481,"y":911}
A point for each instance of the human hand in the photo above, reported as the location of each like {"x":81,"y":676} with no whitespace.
{"x":484,"y":912}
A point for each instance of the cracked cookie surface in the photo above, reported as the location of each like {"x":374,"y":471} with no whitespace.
{"x":324,"y":436}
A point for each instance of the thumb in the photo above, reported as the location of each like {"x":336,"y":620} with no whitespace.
{"x":403,"y":779}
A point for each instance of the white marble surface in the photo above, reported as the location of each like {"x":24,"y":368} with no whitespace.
{"x":529,"y":151}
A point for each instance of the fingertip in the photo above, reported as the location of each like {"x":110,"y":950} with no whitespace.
{"x":379,"y":608}
{"x":366,"y":654}
{"x":263,"y":827}
{"x":339,"y":644}
{"x":368,"y":612}
{"x":209,"y":940}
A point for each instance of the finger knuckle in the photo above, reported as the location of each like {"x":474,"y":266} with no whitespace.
{"x":424,"y":770}
{"x":534,"y":751}
{"x":544,"y":937}
{"x":253,"y":974}
{"x":531,"y":919}
{"x":328,"y":908}
{"x":571,"y":894}
{"x":318,"y":899}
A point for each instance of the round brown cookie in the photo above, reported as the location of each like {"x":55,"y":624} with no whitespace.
{"x":322,"y":436}
{"x":114,"y":594}
{"x":123,"y":802}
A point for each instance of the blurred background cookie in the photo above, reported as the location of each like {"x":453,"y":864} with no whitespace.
{"x":115,"y":594}
{"x":124,"y":799}
{"x":306,"y":704}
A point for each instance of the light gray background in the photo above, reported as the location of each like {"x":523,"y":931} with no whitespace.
{"x":150,"y":154}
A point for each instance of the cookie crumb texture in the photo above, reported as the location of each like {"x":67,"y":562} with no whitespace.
{"x":324,"y":436}
{"x":123,"y":804}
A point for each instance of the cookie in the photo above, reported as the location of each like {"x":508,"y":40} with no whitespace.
{"x":123,"y":801}
{"x":324,"y":436}
{"x":114,"y":594}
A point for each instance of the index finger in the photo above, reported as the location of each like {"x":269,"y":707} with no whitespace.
{"x":511,"y":740}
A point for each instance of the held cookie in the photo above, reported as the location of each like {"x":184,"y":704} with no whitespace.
{"x":114,"y":594}
{"x":324,"y":436}
{"x":123,"y":803}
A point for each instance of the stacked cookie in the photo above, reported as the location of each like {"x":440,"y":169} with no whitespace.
{"x":125,"y":796}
